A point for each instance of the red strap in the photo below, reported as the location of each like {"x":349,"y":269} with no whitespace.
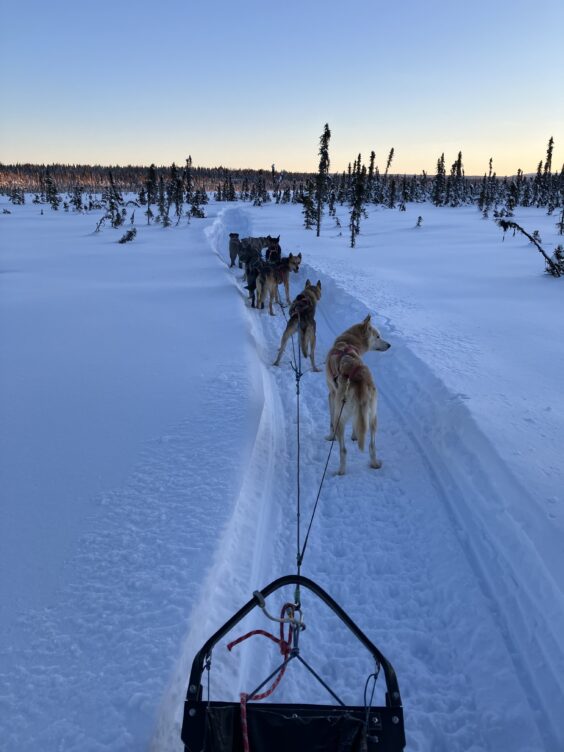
{"x":338,"y":353}
{"x":251,"y":634}
{"x":284,"y":649}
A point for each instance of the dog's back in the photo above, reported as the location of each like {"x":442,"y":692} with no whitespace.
{"x":304,"y":304}
{"x":302,"y":319}
{"x":256,"y":244}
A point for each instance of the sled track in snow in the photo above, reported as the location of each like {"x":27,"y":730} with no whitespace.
{"x":421,"y":553}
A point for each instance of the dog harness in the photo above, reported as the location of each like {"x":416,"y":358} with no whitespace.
{"x":334,"y":359}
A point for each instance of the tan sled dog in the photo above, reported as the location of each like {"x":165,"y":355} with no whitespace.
{"x":272,"y":275}
{"x":302,"y":317}
{"x":352,"y":392}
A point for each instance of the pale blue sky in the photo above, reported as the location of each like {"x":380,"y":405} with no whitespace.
{"x":250,"y":83}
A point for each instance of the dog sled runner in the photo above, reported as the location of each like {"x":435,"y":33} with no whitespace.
{"x":212,"y":725}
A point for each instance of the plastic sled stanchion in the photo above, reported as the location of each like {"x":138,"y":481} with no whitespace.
{"x":215,"y":726}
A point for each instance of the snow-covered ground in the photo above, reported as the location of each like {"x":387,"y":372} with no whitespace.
{"x":147,"y":462}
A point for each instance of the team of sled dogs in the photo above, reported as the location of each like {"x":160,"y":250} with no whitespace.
{"x":352,"y":391}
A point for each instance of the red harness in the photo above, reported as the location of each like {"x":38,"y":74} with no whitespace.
{"x":335,"y":354}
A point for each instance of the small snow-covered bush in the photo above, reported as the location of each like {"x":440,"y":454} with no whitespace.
{"x":129,"y":235}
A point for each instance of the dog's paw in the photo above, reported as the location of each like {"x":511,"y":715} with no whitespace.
{"x":276,"y":363}
{"x":376,"y":464}
{"x":329,"y":437}
{"x":316,"y":370}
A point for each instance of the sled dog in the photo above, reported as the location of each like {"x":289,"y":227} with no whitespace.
{"x":256,"y":244}
{"x":352,"y":392}
{"x":252,"y":271}
{"x":273,"y":275}
{"x":302,"y":317}
{"x":273,"y":251}
{"x":250,"y":249}
{"x":234,"y":247}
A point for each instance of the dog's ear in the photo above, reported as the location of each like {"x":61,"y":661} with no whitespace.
{"x":278,"y":239}
{"x":319,"y":283}
{"x":290,"y":256}
{"x":308,"y":283}
{"x":300,"y":254}
{"x":366,"y":322}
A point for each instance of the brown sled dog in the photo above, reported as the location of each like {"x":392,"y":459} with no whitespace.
{"x":352,"y":392}
{"x":272,"y":275}
{"x":302,"y":317}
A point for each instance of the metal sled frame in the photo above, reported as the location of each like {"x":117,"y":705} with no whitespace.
{"x":216,"y":726}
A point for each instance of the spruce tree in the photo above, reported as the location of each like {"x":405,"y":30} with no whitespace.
{"x":151,"y":189}
{"x":538,"y":185}
{"x":51,"y":195}
{"x":392,"y":194}
{"x":560,"y":223}
{"x":229,"y":193}
{"x":178,"y":196}
{"x":322,"y":175}
{"x":76,"y":198}
{"x":358,"y":200}
{"x":389,"y":162}
{"x":370,"y":177}
{"x":188,"y":180}
{"x":163,"y":204}
{"x":439,"y":184}
{"x":547,"y":176}
{"x":308,"y":205}
{"x":196,"y":209}
{"x":113,"y":199}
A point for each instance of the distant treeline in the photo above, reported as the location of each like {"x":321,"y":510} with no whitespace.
{"x":318,"y":193}
{"x":94,"y":178}
{"x":446,"y":187}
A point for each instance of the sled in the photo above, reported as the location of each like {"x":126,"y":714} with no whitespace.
{"x":216,"y":726}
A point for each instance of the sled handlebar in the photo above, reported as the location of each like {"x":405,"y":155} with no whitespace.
{"x":393,"y":697}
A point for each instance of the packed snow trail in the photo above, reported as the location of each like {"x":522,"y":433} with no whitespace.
{"x":419,"y":553}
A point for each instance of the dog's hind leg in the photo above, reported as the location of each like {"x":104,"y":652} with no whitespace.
{"x":374,"y":462}
{"x":360,"y":424}
{"x":310,"y":337}
{"x":340,"y":420}
{"x":271,"y":297}
{"x":289,"y":331}
{"x":259,"y":292}
{"x":331,"y":435}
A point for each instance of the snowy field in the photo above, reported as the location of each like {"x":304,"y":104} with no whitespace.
{"x":147,"y":470}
